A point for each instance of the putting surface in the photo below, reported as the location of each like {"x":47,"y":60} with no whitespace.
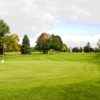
{"x":56,"y":76}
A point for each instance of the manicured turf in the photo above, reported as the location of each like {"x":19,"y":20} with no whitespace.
{"x":54,"y":76}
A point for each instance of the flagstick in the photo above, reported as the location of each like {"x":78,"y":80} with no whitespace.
{"x":3,"y":59}
{"x":4,"y":46}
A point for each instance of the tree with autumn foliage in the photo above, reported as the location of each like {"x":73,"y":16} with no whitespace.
{"x":45,"y":42}
{"x":12,"y":43}
{"x":64,"y":48}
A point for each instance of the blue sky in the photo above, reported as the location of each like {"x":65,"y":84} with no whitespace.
{"x":77,"y":34}
{"x":75,"y":29}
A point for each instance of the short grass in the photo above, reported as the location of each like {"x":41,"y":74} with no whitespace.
{"x":54,"y":76}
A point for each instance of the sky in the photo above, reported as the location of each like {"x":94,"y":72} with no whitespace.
{"x":76,"y":21}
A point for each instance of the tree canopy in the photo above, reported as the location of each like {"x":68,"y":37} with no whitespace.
{"x":12,"y":43}
{"x":4,"y":29}
{"x":56,"y":42}
{"x":75,"y":49}
{"x":43,"y":43}
{"x":46,"y":42}
{"x":64,"y":48}
{"x":88,"y":48}
{"x":98,"y":44}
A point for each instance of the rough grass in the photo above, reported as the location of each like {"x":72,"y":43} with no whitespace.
{"x":56,"y":76}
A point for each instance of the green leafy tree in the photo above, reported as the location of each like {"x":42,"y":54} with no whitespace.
{"x":91,"y":49}
{"x":56,"y":42}
{"x":87,"y":47}
{"x":4,"y":29}
{"x":43,"y":43}
{"x":80,"y":49}
{"x":98,"y":44}
{"x":96,"y":49}
{"x":75,"y":49}
{"x":45,"y":46}
{"x":8,"y":41}
{"x":25,"y":48}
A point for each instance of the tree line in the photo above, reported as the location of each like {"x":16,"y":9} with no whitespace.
{"x":87,"y":48}
{"x":44,"y":43}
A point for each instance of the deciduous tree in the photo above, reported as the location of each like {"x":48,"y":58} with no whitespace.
{"x":56,"y":42}
{"x":87,"y":47}
{"x":64,"y":48}
{"x":46,"y":42}
{"x":43,"y":43}
{"x":80,"y":49}
{"x":75,"y":49}
{"x":4,"y":29}
{"x":98,"y":44}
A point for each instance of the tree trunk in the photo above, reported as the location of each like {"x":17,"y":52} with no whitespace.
{"x":1,"y":48}
{"x":1,"y":51}
{"x":45,"y":51}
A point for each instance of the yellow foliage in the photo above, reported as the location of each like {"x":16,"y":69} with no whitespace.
{"x":14,"y":46}
{"x":15,"y":37}
{"x":64,"y":48}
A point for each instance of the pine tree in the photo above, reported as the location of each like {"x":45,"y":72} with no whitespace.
{"x":25,"y":48}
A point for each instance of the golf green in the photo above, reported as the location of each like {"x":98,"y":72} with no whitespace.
{"x":53,"y":76}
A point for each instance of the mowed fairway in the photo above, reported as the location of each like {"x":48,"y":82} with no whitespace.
{"x":54,"y":76}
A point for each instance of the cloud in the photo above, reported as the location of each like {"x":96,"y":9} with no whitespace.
{"x":80,"y":40}
{"x":33,"y":17}
{"x":39,"y":15}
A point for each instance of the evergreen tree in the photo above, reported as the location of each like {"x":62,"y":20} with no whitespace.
{"x":25,"y":48}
